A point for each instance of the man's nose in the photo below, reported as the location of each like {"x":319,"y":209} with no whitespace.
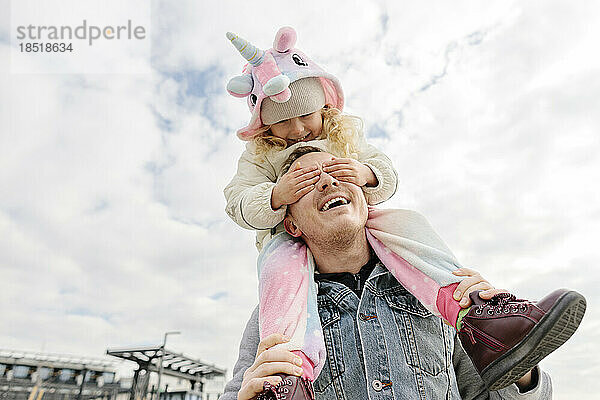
{"x":326,"y":181}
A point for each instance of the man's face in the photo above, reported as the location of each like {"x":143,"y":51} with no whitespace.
{"x":333,"y":212}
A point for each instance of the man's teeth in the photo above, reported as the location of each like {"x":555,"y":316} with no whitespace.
{"x":326,"y":206}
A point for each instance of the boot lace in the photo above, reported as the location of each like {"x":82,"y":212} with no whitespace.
{"x":276,"y":392}
{"x":503,"y":303}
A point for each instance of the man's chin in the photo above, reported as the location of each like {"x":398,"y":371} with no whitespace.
{"x":336,"y":217}
{"x":337,"y":233}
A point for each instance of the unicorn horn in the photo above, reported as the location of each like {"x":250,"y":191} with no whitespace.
{"x":251,"y":53}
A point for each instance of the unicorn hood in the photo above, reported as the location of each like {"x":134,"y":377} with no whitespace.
{"x":269,"y":73}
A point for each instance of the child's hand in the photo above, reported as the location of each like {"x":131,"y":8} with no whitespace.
{"x":350,"y":170}
{"x":473,"y":281}
{"x":293,"y":185}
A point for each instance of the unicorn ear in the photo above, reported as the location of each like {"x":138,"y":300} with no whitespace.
{"x":285,"y":39}
{"x":240,"y":86}
{"x":276,"y":85}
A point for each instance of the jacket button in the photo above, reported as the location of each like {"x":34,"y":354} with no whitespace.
{"x":377,"y":385}
{"x":365,"y":317}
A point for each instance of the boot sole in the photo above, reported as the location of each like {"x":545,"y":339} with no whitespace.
{"x":554,"y":329}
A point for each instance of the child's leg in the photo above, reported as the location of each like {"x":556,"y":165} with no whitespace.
{"x":505,"y":337}
{"x":417,"y":257}
{"x":288,"y":300}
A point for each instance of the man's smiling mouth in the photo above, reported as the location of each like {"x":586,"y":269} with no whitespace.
{"x":335,"y":202}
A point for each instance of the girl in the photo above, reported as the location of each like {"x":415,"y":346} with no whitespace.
{"x":295,"y":103}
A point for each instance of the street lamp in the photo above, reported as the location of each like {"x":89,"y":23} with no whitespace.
{"x":160,"y":365}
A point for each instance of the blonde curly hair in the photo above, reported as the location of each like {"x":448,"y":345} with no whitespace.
{"x":343,"y":132}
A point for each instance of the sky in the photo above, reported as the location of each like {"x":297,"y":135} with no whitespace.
{"x":112,"y":222}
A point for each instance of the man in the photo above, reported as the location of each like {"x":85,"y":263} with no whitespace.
{"x":381,"y":342}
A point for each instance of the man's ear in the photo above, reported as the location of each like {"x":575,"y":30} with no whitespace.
{"x":291,"y":228}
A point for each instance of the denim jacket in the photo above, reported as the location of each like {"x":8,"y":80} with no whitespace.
{"x":386,"y":345}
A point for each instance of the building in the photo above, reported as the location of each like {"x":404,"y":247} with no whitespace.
{"x":36,"y":376}
{"x":45,"y":376}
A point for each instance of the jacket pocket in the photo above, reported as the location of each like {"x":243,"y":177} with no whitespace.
{"x":334,"y":365}
{"x":425,"y":338}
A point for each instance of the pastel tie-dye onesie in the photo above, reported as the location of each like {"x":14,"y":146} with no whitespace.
{"x":403,"y":240}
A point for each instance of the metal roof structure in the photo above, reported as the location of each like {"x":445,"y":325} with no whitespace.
{"x":56,"y":360}
{"x":174,"y":364}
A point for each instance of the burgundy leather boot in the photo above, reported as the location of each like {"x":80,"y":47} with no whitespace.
{"x":291,"y":387}
{"x":506,"y":337}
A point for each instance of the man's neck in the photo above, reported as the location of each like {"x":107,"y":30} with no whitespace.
{"x":348,"y":258}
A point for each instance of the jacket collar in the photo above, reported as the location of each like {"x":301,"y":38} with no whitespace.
{"x":380,"y":282}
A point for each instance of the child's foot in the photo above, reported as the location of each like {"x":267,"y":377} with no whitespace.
{"x":291,"y":387}
{"x":505,"y":337}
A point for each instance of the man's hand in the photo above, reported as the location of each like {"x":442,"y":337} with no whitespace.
{"x":473,"y":281}
{"x":293,"y":185}
{"x":267,"y":363}
{"x":350,"y":170}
